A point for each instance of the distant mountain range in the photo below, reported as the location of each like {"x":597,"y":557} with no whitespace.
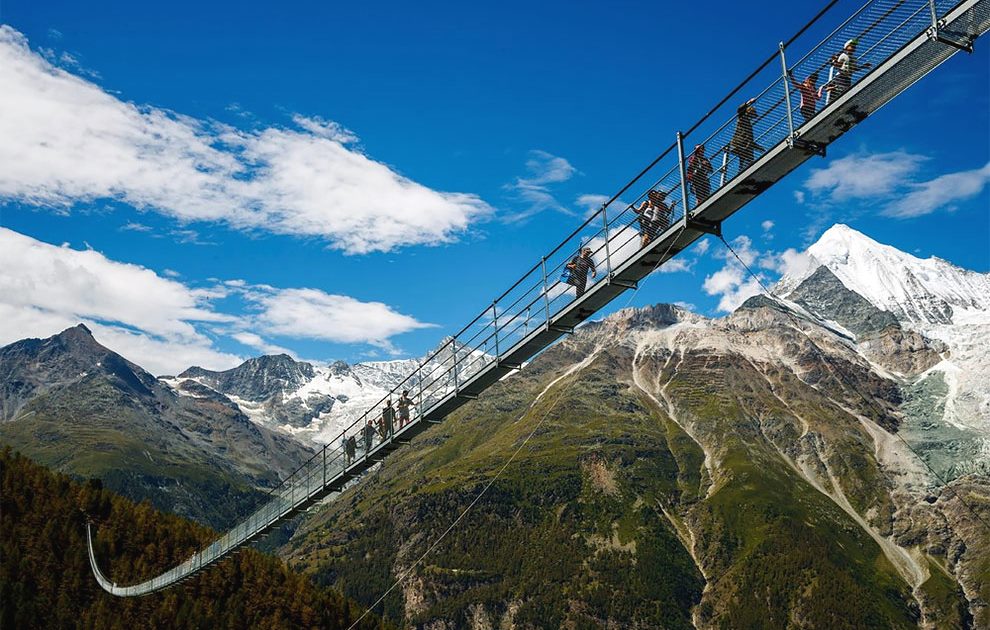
{"x":72,"y":404}
{"x":311,"y":403}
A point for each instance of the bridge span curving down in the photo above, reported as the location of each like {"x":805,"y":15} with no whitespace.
{"x":754,"y":137}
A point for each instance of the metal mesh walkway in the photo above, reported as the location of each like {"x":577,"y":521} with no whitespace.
{"x":739,"y":149}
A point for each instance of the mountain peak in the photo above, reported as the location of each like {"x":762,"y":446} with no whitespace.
{"x":79,"y":332}
{"x":924,"y":291}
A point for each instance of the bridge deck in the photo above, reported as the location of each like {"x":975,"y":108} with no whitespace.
{"x":900,"y":40}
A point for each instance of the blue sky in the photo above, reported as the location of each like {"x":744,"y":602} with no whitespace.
{"x":460,"y":140}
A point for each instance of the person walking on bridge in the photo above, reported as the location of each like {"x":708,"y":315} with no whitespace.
{"x":578,"y":268}
{"x":369,"y":435}
{"x":654,"y":216}
{"x":699,"y":172}
{"x":847,"y":66}
{"x":810,"y":93}
{"x":649,"y":221}
{"x":743,"y":145}
{"x":404,"y":403}
{"x":386,"y":424}
{"x":350,"y":449}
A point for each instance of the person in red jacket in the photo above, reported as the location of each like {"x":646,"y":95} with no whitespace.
{"x":810,"y":93}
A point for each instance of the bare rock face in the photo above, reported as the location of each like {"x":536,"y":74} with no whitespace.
{"x":905,"y":352}
{"x":742,"y":472}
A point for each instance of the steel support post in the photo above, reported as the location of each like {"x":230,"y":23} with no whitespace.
{"x":787,"y":97}
{"x":419,"y":371}
{"x":495,"y":326}
{"x":453,"y":348}
{"x":546,"y":289}
{"x":680,"y":162}
{"x":608,"y":256}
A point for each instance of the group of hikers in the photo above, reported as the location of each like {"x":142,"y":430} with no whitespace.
{"x":743,"y":145}
{"x":383,"y":425}
{"x":654,"y":213}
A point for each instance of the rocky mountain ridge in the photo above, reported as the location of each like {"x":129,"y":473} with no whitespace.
{"x":687,"y":472}
{"x":72,"y":404}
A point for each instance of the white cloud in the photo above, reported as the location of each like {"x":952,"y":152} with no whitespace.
{"x":732,"y":282}
{"x":546,"y":168}
{"x":592,"y":203}
{"x":66,"y":141}
{"x":314,"y":314}
{"x":927,"y":197}
{"x":702,"y":247}
{"x":252,"y":340}
{"x":543,"y":169}
{"x":677,"y":264}
{"x":158,"y":322}
{"x":799,"y":196}
{"x":133,"y":226}
{"x":893,"y":180}
{"x":767,"y":225}
{"x":147,"y":318}
{"x":864,"y":176}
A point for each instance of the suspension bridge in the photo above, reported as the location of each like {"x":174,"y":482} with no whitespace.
{"x":755,"y":136}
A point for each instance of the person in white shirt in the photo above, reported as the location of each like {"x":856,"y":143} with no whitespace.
{"x":846,"y":65}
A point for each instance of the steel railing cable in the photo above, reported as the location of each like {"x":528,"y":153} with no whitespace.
{"x":838,"y":372}
{"x":453,"y":344}
{"x":468,"y":353}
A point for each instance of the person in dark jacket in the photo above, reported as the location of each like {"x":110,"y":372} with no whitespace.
{"x":386,"y":424}
{"x":369,"y":435}
{"x":742,"y":144}
{"x":350,"y":449}
{"x":578,"y":268}
{"x":699,"y":172}
{"x":649,"y":221}
{"x":663,"y":211}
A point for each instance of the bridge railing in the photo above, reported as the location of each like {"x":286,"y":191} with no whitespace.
{"x":614,"y":233}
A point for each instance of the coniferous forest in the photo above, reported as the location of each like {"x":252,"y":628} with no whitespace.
{"x":46,"y":582}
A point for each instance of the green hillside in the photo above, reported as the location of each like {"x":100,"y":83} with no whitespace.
{"x":46,"y":582}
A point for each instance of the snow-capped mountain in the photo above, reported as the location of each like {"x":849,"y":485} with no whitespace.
{"x":867,"y":287}
{"x":314,"y":403}
{"x":920,"y":291}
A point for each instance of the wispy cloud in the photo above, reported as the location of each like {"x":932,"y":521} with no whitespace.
{"x":307,"y":180}
{"x":733,"y":284}
{"x":313,"y":314}
{"x":942,"y":192}
{"x":893,"y":183}
{"x":148,"y":318}
{"x":132,"y":226}
{"x":256,"y":342}
{"x":864,"y":176}
{"x":534,"y":190}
